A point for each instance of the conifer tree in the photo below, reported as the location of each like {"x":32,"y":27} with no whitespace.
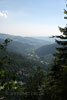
{"x":59,"y":69}
{"x":61,"y":54}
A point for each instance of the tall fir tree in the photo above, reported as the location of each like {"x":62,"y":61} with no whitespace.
{"x":59,"y":68}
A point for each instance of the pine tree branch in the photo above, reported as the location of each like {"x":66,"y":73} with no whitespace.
{"x":64,"y":43}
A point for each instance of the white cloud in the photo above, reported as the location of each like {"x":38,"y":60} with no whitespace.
{"x":3,"y":15}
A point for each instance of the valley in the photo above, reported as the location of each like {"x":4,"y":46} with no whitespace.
{"x":35,"y":49}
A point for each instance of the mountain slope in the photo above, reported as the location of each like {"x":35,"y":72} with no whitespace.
{"x":29,"y":40}
{"x":31,"y":48}
{"x":18,"y":47}
{"x":46,"y":53}
{"x":46,"y":50}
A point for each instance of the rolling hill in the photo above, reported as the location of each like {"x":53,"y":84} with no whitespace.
{"x":23,"y":45}
{"x":34,"y":49}
{"x":46,"y":50}
{"x":46,"y":53}
{"x":35,"y":42}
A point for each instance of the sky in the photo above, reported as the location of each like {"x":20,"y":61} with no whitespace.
{"x":32,"y":17}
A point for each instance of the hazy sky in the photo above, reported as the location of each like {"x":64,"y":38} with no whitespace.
{"x":31,"y":17}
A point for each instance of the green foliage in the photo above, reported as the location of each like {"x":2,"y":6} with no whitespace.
{"x":21,"y":79}
{"x":13,"y":70}
{"x":8,"y":85}
{"x":34,"y":85}
{"x":57,"y":84}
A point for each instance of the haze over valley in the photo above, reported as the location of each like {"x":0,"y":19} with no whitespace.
{"x":33,"y":50}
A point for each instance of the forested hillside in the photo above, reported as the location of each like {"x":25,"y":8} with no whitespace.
{"x":36,"y":42}
{"x":46,"y":50}
{"x":29,"y":48}
{"x":32,"y":70}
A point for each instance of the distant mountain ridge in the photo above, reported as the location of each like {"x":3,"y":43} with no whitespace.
{"x":40,"y":40}
{"x":23,"y":44}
